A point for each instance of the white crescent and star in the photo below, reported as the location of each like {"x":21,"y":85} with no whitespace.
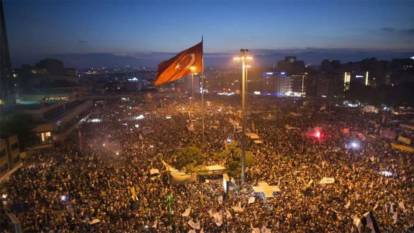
{"x":185,"y":62}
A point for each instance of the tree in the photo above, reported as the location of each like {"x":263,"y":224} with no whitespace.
{"x":187,"y":157}
{"x":232,"y":155}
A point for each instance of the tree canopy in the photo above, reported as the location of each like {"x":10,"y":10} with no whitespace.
{"x":187,"y":157}
{"x":190,"y":157}
{"x":232,"y":155}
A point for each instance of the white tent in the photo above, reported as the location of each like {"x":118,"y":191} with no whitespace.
{"x":215,"y":169}
{"x":253,"y":136}
{"x":258,"y":141}
{"x":327,"y":180}
{"x":266,"y":189}
{"x":178,"y":176}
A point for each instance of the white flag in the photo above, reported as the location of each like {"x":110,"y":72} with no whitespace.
{"x":186,"y":212}
{"x":266,"y":230}
{"x":348,"y":204}
{"x":251,"y":200}
{"x":194,"y":225}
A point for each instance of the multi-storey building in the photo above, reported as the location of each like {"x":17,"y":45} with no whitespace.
{"x":6,"y":87}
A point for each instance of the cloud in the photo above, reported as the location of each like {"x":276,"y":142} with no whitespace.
{"x":401,"y":31}
{"x":409,"y":31}
{"x":82,"y":41}
{"x":388,"y":29}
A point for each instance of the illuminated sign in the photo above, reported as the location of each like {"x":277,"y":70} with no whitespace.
{"x":134,"y":79}
{"x":95,"y":120}
{"x":56,"y":98}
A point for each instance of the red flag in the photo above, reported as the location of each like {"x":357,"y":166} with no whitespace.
{"x":179,"y":66}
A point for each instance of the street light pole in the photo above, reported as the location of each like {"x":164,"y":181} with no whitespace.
{"x":203,"y":110}
{"x":243,"y":142}
{"x":243,"y":58}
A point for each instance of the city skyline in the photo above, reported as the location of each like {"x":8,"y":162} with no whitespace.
{"x":206,"y":116}
{"x":132,"y":28}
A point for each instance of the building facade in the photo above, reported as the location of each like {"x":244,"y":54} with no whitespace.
{"x":9,"y":153}
{"x":284,"y":84}
{"x":6,"y":87}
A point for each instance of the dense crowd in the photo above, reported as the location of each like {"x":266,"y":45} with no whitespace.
{"x":100,"y":181}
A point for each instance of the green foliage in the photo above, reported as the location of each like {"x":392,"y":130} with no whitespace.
{"x":187,"y":158}
{"x":221,"y":156}
{"x":232,"y":155}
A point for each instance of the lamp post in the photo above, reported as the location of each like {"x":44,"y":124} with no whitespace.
{"x":225,"y":187}
{"x":243,"y":58}
{"x":203,"y":110}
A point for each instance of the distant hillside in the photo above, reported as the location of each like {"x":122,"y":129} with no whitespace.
{"x":263,"y":57}
{"x":79,"y":60}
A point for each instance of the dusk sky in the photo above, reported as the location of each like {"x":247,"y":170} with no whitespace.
{"x":125,"y":27}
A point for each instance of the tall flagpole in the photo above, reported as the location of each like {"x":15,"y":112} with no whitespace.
{"x":192,"y":87}
{"x":193,"y":72}
{"x":202,"y":96}
{"x":202,"y":107}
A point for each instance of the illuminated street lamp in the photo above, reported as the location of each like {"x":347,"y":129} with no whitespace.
{"x":354,"y":145}
{"x":243,"y":59}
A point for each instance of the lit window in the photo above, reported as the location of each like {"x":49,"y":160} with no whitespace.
{"x":45,"y":136}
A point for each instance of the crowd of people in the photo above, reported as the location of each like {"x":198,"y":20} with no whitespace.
{"x":100,"y":180}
